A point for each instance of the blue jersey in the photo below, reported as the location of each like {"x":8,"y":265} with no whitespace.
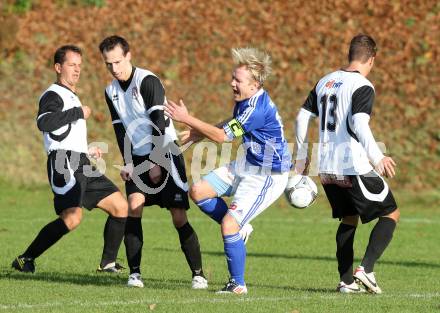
{"x":258,"y":121}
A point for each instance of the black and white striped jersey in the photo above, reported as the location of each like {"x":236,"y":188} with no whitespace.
{"x":61,"y":119}
{"x":137,"y":108}
{"x":343,"y":101}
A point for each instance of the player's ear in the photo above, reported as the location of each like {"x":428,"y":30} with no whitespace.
{"x":256,"y":84}
{"x":57,"y":68}
{"x":128,"y":56}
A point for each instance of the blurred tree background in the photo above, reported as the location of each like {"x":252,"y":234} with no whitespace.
{"x":187,"y":43}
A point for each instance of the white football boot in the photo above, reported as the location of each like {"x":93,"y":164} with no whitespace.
{"x":199,"y":282}
{"x":135,"y":280}
{"x":352,"y":288}
{"x":367,"y":279}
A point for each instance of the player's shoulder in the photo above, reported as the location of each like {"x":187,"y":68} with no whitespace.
{"x":342,"y":78}
{"x":358,"y":80}
{"x":141,"y":73}
{"x":328,"y":80}
{"x":113,"y":84}
{"x":261,"y":97}
{"x":54,"y":91}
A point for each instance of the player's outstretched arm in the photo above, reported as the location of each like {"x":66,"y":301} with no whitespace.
{"x":179,"y":113}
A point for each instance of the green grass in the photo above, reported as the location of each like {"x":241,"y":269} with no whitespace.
{"x":290,"y":266}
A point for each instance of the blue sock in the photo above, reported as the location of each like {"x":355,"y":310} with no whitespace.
{"x":235,"y":252}
{"x":215,"y":208}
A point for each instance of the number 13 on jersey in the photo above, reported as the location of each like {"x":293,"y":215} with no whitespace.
{"x":329,"y":118}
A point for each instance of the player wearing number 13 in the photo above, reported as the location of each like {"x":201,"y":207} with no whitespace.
{"x":343,"y":101}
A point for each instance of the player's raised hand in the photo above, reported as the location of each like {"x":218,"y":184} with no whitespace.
{"x":386,"y":167}
{"x":86,"y":111}
{"x":177,"y":112}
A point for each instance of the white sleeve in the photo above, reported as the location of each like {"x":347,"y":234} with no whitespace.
{"x":365,"y":136}
{"x":302,"y":125}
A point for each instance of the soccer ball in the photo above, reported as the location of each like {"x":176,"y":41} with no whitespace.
{"x":301,"y":191}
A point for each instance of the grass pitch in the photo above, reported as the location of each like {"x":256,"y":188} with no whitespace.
{"x":291,"y":265}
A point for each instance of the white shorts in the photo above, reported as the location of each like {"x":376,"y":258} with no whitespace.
{"x":253,"y":193}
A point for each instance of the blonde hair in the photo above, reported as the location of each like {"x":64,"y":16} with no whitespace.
{"x":257,"y":62}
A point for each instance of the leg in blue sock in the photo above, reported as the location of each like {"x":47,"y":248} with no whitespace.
{"x":235,"y":252}
{"x":215,"y":208}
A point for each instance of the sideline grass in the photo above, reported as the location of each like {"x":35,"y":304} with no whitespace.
{"x":290,"y":267}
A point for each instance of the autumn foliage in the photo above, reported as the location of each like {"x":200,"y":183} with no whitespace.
{"x":187,"y":43}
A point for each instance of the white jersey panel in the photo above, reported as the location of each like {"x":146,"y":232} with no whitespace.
{"x":133,"y":114}
{"x":339,"y":152}
{"x":76,"y":139}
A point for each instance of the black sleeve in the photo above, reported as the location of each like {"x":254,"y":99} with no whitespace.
{"x":153,"y":94}
{"x":362,"y":100}
{"x":117,"y":126}
{"x":51,"y":115}
{"x":311,"y":103}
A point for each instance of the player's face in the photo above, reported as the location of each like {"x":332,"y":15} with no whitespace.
{"x":242,"y":83}
{"x":69,"y":71}
{"x":117,"y":63}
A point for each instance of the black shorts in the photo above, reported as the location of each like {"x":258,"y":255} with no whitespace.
{"x":365,"y":195}
{"x":170,"y":192}
{"x":74,"y":182}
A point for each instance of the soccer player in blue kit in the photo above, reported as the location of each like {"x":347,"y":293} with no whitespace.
{"x":255,"y":181}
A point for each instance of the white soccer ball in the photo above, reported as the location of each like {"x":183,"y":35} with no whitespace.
{"x":301,"y":191}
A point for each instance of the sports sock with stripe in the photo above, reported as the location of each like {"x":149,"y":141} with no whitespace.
{"x":235,"y":252}
{"x":215,"y":208}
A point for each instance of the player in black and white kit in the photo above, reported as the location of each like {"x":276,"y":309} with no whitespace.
{"x":154,"y":171}
{"x":75,"y":183}
{"x":350,"y":162}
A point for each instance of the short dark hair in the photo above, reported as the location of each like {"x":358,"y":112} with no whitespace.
{"x":111,"y":42}
{"x":362,"y":47}
{"x":60,"y":54}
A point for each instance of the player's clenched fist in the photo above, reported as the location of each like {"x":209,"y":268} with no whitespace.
{"x":86,"y":111}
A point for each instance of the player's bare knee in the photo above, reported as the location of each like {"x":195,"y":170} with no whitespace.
{"x":229,"y":225}
{"x":135,"y":208}
{"x":195,"y":192}
{"x":121,"y":208}
{"x":72,"y":217}
{"x":179,"y":217}
{"x":395,"y":215}
{"x":135,"y":205}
